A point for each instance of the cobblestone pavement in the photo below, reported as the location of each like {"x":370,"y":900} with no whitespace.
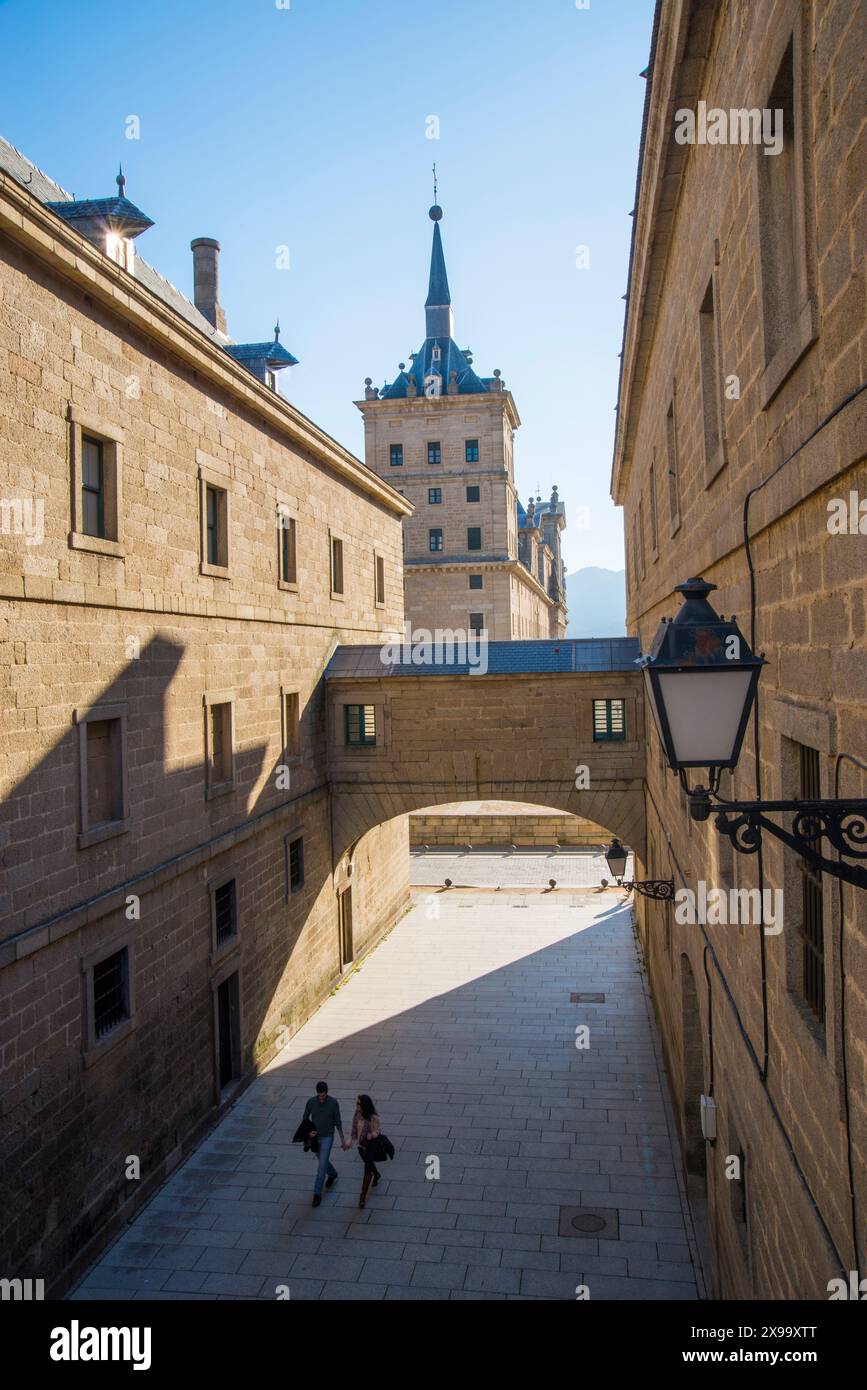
{"x":496,"y":868}
{"x":460,"y":1026}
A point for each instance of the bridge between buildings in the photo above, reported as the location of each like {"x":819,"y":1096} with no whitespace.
{"x":442,"y":731}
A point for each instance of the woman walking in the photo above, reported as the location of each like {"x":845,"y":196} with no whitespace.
{"x":365,"y":1129}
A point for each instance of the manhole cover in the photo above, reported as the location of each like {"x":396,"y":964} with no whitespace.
{"x":601,"y":1222}
{"x":588,"y":1224}
{"x":587,"y":998}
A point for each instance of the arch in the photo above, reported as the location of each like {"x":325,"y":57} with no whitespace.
{"x":692,"y":1083}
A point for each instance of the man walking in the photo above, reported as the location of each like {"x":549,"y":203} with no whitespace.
{"x":322,"y":1114}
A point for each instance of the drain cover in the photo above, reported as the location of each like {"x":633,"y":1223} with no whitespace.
{"x":587,"y":998}
{"x":588,"y":1224}
{"x":601,"y":1222}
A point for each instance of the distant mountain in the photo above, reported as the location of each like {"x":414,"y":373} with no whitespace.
{"x":597,"y":602}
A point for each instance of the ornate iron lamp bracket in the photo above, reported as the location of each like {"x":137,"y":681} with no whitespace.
{"x":843,"y":824}
{"x":660,"y":889}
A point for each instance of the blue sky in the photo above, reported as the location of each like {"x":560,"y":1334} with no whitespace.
{"x":306,"y":127}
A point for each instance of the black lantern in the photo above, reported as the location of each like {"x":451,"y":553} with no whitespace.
{"x":616,"y":857}
{"x":660,"y":888}
{"x":701,"y":678}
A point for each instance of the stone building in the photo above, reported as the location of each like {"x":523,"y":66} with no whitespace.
{"x":475,"y":559}
{"x":181,"y":552}
{"x":741,"y":417}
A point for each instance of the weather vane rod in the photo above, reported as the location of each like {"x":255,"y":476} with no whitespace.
{"x":435,"y":182}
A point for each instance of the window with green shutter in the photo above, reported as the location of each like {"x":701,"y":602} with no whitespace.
{"x":359,"y":725}
{"x":609,"y":721}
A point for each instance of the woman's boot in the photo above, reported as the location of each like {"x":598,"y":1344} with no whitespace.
{"x":365,"y":1185}
{"x":376,"y":1175}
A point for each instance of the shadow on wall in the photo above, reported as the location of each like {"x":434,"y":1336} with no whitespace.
{"x":74,"y":1113}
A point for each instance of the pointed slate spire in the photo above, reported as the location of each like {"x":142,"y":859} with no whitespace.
{"x":438,"y":310}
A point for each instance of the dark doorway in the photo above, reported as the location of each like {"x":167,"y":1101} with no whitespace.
{"x":347,"y":955}
{"x":228,"y":1031}
{"x":695,"y":1158}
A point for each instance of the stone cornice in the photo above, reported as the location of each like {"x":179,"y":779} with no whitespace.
{"x":473,"y":400}
{"x":24,"y":220}
{"x":679,"y":57}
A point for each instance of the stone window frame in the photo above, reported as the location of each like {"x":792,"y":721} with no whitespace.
{"x":433,"y":444}
{"x":481,"y":545}
{"x":338,"y":726}
{"x":473,"y":487}
{"x":654,"y":510}
{"x":210,"y":475}
{"x":112,"y":439}
{"x":228,"y":873}
{"x":219,"y":697}
{"x":392,"y":450}
{"x":474,"y":631}
{"x":439,"y":531}
{"x":295,"y":833}
{"x":475,"y":587}
{"x":791,"y":28}
{"x":435,"y":501}
{"x":712,"y":391}
{"x":378,"y":579}
{"x":289,"y":688}
{"x":285,"y":512}
{"x":93,"y":835}
{"x":337,"y":595}
{"x":96,"y":1048}
{"x":608,"y":701}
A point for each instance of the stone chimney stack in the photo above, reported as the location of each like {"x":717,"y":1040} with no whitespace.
{"x":206,"y":280}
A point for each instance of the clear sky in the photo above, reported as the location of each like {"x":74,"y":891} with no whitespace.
{"x":304,"y":124}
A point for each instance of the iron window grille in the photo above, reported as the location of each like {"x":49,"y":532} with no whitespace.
{"x":225,"y":913}
{"x":473,"y":494}
{"x":110,"y":994}
{"x":474,"y":538}
{"x":296,"y":864}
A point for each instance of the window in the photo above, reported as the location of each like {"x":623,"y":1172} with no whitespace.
{"x":395,"y":455}
{"x":654,"y":521}
{"x":379,"y":581}
{"x":215,"y":519}
{"x":225,"y":916}
{"x":812,"y":924}
{"x":336,"y":566}
{"x":219,"y":756}
{"x":102,"y":763}
{"x":472,"y":494}
{"x":92,"y":487}
{"x":359,"y":725}
{"x":110,"y":993}
{"x":435,"y":538}
{"x":288,"y":555}
{"x":477,"y":623}
{"x":477,"y":581}
{"x":104,"y":774}
{"x":711,"y":383}
{"x":291,"y":723}
{"x":95,"y":451}
{"x":294,"y":863}
{"x":540,"y":568}
{"x":673,"y":467}
{"x":471,"y":450}
{"x":434,"y":452}
{"x":434,"y":496}
{"x":227,"y":1004}
{"x":609,"y":721}
{"x":474,"y":538}
{"x":642,"y":550}
{"x":786,"y":269}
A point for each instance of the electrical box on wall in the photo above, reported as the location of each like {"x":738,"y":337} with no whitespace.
{"x":708,"y":1117}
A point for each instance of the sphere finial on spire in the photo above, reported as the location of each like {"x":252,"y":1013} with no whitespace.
{"x":436,"y":211}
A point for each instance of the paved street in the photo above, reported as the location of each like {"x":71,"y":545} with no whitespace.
{"x":460,"y":1026}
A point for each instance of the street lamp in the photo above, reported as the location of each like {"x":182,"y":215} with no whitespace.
{"x":660,"y":888}
{"x":701,"y":679}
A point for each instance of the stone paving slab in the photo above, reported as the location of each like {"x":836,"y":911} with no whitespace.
{"x":461,"y":1027}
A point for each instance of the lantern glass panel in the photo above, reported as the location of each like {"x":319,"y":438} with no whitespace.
{"x":704,"y":710}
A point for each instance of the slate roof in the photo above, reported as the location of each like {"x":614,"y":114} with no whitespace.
{"x":522,"y":657}
{"x":109,"y":210}
{"x":273,"y":353}
{"x":19,"y":167}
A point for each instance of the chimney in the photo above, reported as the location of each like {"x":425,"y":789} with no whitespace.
{"x":206,"y":280}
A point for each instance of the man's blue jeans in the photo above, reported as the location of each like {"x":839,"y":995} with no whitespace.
{"x":326,"y":1168}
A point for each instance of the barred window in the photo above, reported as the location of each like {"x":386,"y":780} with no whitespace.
{"x":225,"y":912}
{"x":110,"y":993}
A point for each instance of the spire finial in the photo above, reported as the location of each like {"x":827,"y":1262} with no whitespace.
{"x":277,"y":331}
{"x":121,"y":181}
{"x":435,"y":181}
{"x":436,"y":211}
